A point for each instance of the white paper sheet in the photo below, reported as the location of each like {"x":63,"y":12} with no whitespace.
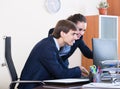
{"x":102,"y":85}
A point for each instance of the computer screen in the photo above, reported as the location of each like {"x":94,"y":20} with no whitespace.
{"x":104,"y":49}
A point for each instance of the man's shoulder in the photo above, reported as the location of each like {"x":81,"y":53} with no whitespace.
{"x":45,"y":41}
{"x":48,"y":40}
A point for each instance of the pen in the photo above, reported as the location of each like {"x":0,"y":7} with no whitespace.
{"x":93,"y":69}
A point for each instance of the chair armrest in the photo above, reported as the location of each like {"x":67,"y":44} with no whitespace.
{"x":28,"y":81}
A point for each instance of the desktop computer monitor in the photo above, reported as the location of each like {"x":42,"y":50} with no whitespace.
{"x":103,"y":49}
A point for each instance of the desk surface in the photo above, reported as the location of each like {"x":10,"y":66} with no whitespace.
{"x":40,"y":87}
{"x":72,"y":86}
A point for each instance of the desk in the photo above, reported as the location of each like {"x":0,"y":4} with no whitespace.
{"x":61,"y":86}
{"x":72,"y":86}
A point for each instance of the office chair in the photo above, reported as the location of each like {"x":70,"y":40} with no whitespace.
{"x":11,"y":67}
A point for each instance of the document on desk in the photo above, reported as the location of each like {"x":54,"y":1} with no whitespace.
{"x":66,"y":81}
{"x":102,"y":85}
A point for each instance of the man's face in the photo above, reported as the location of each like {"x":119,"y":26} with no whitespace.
{"x":81,"y":28}
{"x":70,"y":37}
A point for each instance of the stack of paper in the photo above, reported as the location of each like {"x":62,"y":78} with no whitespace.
{"x":102,"y":85}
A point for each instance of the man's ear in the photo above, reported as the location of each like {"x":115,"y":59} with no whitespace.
{"x":62,"y":34}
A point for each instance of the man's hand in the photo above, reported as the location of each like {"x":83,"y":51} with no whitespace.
{"x":84,"y":71}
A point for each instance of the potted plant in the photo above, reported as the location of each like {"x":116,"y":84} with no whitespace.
{"x":102,"y":7}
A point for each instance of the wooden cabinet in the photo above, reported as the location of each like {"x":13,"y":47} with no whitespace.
{"x":114,"y":8}
{"x":100,"y":26}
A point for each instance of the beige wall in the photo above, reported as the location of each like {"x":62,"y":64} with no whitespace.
{"x":27,"y":22}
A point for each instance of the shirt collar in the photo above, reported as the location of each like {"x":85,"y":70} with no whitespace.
{"x":56,"y":43}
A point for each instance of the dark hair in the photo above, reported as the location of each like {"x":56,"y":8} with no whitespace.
{"x":65,"y":26}
{"x":77,"y":17}
{"x":74,"y":18}
{"x":50,"y":31}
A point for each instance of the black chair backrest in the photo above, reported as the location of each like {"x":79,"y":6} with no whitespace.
{"x":9,"y":60}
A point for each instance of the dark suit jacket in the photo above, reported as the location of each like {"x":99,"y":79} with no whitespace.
{"x":45,"y":63}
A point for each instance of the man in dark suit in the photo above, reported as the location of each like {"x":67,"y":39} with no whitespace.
{"x":67,"y":51}
{"x":44,"y":62}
